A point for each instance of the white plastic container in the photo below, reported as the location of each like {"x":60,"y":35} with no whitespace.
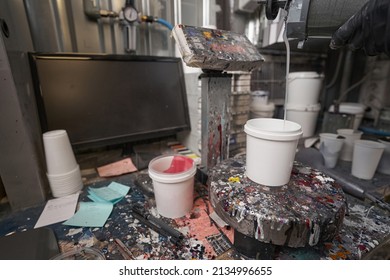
{"x":304,"y":87}
{"x":271,"y":147}
{"x":350,"y":136}
{"x":355,"y":109}
{"x":174,"y":191}
{"x":366,"y":156}
{"x":384,"y":163}
{"x":259,"y":97}
{"x":258,"y":110}
{"x":305,"y":115}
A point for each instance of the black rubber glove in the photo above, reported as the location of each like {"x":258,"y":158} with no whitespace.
{"x":368,"y":29}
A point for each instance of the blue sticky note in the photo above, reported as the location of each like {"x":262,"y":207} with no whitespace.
{"x":119,"y":188}
{"x":112,"y":193}
{"x":96,"y":198}
{"x":90,"y":214}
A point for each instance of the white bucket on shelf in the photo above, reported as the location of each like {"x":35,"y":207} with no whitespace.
{"x":271,"y":147}
{"x":259,"y":97}
{"x":173,"y":183}
{"x":258,"y":110}
{"x":305,"y":115}
{"x":355,"y":109}
{"x":304,"y":87}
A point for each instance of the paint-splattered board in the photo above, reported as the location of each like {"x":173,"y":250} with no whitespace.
{"x":308,"y":210}
{"x":215,"y":49}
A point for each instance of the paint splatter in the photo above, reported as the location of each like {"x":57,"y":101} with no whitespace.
{"x":74,"y":231}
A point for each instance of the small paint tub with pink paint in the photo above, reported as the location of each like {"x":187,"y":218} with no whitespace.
{"x":173,"y":183}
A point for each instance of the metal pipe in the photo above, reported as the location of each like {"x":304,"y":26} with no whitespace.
{"x":112,"y":31}
{"x":94,"y":12}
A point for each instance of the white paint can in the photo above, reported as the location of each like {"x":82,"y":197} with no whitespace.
{"x":271,"y":147}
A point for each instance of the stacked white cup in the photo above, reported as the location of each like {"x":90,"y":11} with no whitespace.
{"x":63,"y":172}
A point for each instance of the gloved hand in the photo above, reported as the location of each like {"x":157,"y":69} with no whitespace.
{"x":368,"y":29}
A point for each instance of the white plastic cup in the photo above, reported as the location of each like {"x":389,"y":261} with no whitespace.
{"x":384,"y":163}
{"x":366,"y":156}
{"x":66,"y":183}
{"x":174,"y":192}
{"x":58,"y":152}
{"x":330,"y":147}
{"x":350,"y":136}
{"x":271,"y":148}
{"x":304,"y":87}
{"x":305,"y":115}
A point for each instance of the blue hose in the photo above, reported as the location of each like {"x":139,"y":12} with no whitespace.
{"x":165,"y":23}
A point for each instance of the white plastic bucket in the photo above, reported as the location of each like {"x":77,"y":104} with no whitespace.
{"x":350,"y":136}
{"x":271,"y":146}
{"x":258,"y":110}
{"x":355,"y":109}
{"x":366,"y":156}
{"x":305,"y":115}
{"x":259,"y":97}
{"x":304,"y":87}
{"x":173,"y":190}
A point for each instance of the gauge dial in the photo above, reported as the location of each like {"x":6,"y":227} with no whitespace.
{"x":130,"y":14}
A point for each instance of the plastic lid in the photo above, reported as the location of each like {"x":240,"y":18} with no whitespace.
{"x":300,"y":107}
{"x":273,"y":129}
{"x":171,"y":168}
{"x":309,"y":74}
{"x":349,"y":108}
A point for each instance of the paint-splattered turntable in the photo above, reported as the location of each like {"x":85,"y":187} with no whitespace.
{"x":307,"y":211}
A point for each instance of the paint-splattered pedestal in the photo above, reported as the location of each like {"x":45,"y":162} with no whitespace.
{"x":308,"y":210}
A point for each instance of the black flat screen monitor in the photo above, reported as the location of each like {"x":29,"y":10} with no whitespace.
{"x":110,"y":99}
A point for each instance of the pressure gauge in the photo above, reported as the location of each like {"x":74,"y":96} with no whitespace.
{"x":130,"y":14}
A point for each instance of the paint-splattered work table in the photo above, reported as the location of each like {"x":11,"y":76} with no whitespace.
{"x":363,"y":229}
